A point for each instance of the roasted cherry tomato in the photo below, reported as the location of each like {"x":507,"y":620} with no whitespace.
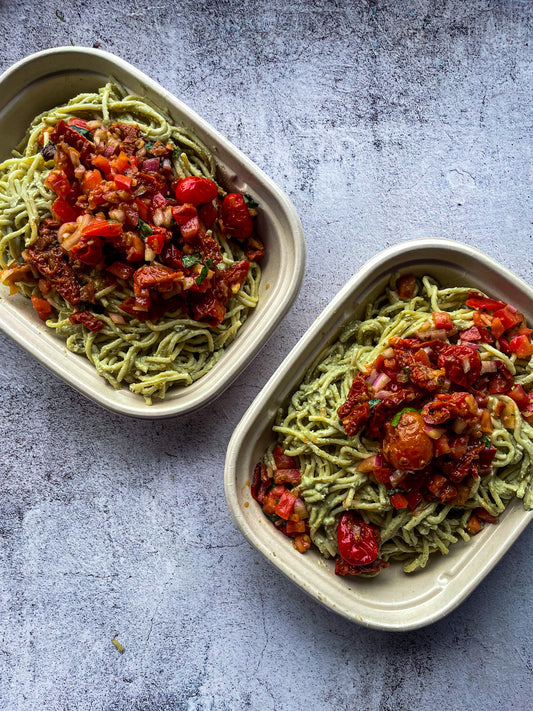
{"x":236,"y":216}
{"x":195,"y":191}
{"x":356,"y":540}
{"x":406,"y":445}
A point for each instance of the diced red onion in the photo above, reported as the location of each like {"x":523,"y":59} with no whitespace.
{"x":116,"y":318}
{"x":488,"y":366}
{"x":300,"y":509}
{"x":512,"y":308}
{"x":434,"y":432}
{"x":380,"y":382}
{"x":396,"y":477}
{"x":382,"y":394}
{"x":466,"y":364}
{"x":371,"y":378}
{"x":434,"y":334}
{"x":151,"y":165}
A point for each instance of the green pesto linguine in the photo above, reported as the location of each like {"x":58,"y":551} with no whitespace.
{"x":310,"y":430}
{"x":147,"y":356}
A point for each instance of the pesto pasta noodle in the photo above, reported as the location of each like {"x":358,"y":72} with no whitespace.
{"x":332,"y":482}
{"x":152,"y":355}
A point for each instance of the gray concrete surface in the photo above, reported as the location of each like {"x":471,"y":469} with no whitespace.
{"x":383,"y":121}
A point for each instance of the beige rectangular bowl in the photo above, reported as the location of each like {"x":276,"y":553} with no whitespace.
{"x":46,"y":79}
{"x":393,"y":600}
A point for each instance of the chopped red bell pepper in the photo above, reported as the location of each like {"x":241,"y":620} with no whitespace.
{"x":57,"y":181}
{"x":399,"y":501}
{"x":103,"y":164}
{"x":102,"y":228}
{"x":190,"y":229}
{"x":442,"y":320}
{"x":144,"y":210}
{"x":123,"y":182}
{"x":91,"y":179}
{"x":477,"y":301}
{"x":183,"y":213}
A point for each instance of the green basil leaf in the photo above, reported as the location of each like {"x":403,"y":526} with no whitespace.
{"x":83,"y":131}
{"x":144,"y":229}
{"x":190,"y":259}
{"x":398,"y":415}
{"x":374,"y":402}
{"x":204,"y":272}
{"x":248,"y":199}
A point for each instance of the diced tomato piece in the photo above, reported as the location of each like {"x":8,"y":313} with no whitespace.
{"x":522,"y":346}
{"x":405,"y":286}
{"x":102,"y":228}
{"x":121,"y":270}
{"x":91,"y":179}
{"x":58,"y":181}
{"x":135,"y":250}
{"x":282,"y":460}
{"x":190,"y":229}
{"x":497,"y":328}
{"x":195,"y":190}
{"x":183,"y":213}
{"x":477,"y":301}
{"x":441,"y":319}
{"x":398,"y":500}
{"x":236,"y":219}
{"x":442,"y":445}
{"x":64,"y":211}
{"x":520,"y":396}
{"x":42,"y":306}
{"x":413,"y":499}
{"x":508,"y":317}
{"x":208,"y":214}
{"x":88,"y":250}
{"x":285,"y":505}
{"x":474,"y":525}
{"x":156,"y":242}
{"x":382,"y":475}
{"x":484,"y":515}
{"x":123,"y":182}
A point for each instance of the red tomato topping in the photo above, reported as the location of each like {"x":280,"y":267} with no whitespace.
{"x":195,"y":190}
{"x":406,"y":286}
{"x":508,"y":317}
{"x":399,"y":501}
{"x":102,"y":228}
{"x":442,"y":320}
{"x":285,"y":505}
{"x":57,"y":181}
{"x":63,"y":211}
{"x":356,"y":540}
{"x":184,"y":213}
{"x":236,"y":219}
{"x":522,"y":346}
{"x":477,"y":301}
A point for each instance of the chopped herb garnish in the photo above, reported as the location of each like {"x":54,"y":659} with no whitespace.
{"x":390,"y":492}
{"x":374,"y":402}
{"x":398,"y":415}
{"x":144,"y":229}
{"x":248,"y":199}
{"x":486,"y":441}
{"x":176,"y":153}
{"x":190,"y":259}
{"x":204,"y":272}
{"x":149,"y":145}
{"x":84,"y":131}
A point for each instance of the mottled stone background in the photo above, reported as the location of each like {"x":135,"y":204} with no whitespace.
{"x":383,"y":121}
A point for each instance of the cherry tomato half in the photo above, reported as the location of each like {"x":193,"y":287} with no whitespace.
{"x":195,"y":191}
{"x":356,"y":540}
